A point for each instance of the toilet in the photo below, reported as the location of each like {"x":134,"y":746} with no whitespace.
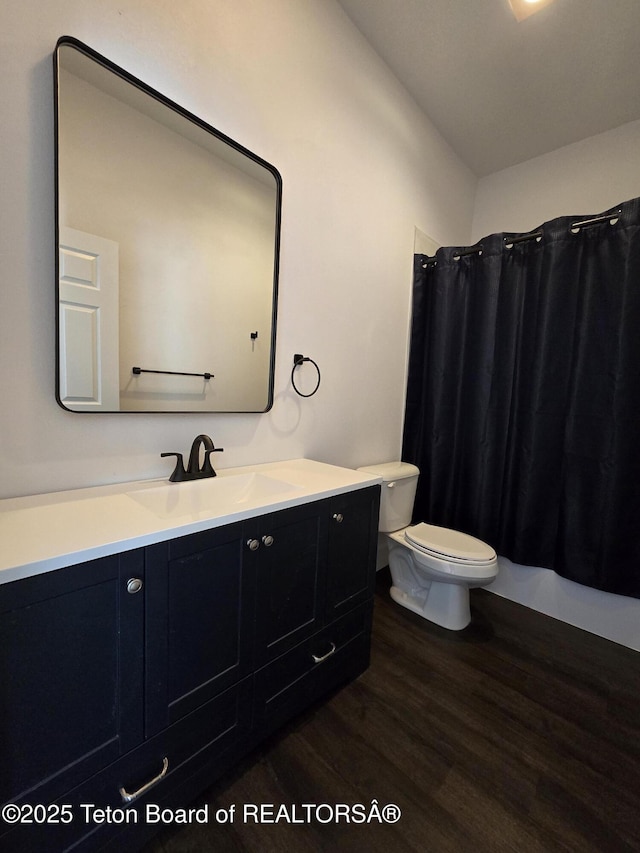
{"x":432,"y":568}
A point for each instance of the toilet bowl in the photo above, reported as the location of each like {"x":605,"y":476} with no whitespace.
{"x":432,"y":568}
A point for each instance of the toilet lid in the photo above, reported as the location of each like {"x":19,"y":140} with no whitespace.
{"x":446,"y":543}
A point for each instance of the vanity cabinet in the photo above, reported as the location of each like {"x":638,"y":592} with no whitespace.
{"x":167,"y":663}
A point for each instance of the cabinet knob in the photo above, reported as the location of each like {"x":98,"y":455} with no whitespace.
{"x":253,"y":544}
{"x":134,"y":585}
{"x":267,"y":541}
{"x":338,"y":517}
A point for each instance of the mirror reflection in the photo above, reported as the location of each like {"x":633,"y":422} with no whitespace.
{"x":168,"y":238}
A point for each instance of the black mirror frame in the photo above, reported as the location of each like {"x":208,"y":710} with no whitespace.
{"x":70,"y":41}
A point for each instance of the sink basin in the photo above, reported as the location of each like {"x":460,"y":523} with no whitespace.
{"x":211,"y":497}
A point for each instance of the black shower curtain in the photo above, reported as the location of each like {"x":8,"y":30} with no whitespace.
{"x":523,"y":398}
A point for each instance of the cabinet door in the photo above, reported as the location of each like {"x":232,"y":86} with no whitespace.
{"x":200,"y":601}
{"x":351,"y":563}
{"x":290,"y":564}
{"x":71,"y":675}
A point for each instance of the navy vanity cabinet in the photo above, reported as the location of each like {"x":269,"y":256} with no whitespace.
{"x":71,"y":673}
{"x":200,"y":599}
{"x":153,"y":671}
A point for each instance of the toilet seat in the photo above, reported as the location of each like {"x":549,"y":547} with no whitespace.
{"x":450,"y":545}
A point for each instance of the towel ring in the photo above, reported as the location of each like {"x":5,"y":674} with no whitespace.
{"x":299,"y":359}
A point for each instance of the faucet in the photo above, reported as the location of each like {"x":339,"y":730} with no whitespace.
{"x":194,"y":470}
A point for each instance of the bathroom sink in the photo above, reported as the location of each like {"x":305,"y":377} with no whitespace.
{"x":213,"y":497}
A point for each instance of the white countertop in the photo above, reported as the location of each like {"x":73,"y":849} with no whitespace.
{"x":46,"y":532}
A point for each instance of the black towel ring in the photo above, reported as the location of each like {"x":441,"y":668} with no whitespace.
{"x":299,"y":359}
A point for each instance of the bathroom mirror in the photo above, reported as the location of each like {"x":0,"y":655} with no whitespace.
{"x":167,"y":251}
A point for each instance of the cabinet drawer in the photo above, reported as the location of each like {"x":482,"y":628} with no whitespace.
{"x":196,"y":739}
{"x":337,"y":653}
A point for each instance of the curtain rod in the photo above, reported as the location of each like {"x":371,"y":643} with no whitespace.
{"x":473,"y":250}
{"x":521,"y":238}
{"x":612,"y":218}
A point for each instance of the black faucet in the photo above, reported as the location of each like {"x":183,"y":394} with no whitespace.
{"x":194,"y":470}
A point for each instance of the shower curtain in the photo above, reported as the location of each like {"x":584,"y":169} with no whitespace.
{"x":523,"y":397}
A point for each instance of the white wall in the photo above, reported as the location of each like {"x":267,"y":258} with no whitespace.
{"x":586,"y":178}
{"x":293,"y":81}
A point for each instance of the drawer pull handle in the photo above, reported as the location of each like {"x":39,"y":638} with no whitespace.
{"x":267,"y":541}
{"x":331,"y":651}
{"x":129,"y":798}
{"x":338,"y":517}
{"x":253,"y":544}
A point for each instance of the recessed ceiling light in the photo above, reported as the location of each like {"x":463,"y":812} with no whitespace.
{"x":523,"y":8}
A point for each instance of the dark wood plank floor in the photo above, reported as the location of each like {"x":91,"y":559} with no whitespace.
{"x":518,"y":734}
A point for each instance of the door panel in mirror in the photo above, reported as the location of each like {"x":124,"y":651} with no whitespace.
{"x":196,"y":218}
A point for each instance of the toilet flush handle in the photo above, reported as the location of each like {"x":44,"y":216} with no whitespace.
{"x":391,"y":485}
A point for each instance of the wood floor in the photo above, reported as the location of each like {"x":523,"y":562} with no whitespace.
{"x":518,"y":734}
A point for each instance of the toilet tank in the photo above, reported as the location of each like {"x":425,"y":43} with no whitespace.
{"x":400,"y":480}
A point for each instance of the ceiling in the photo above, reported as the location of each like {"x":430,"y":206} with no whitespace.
{"x":502,"y":92}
